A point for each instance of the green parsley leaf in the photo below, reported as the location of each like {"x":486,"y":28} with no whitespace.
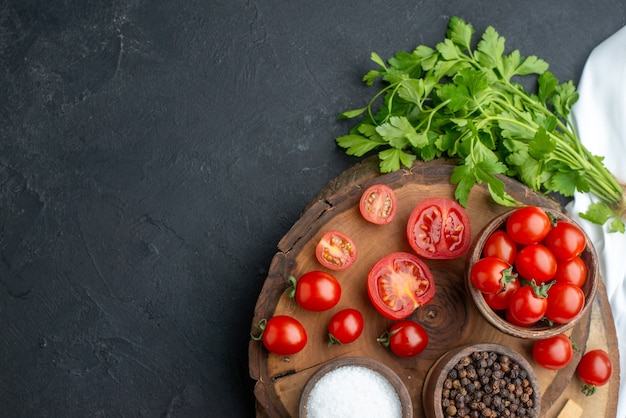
{"x":371,"y":76}
{"x":460,"y":32}
{"x":547,"y":83}
{"x":358,"y":145}
{"x":397,"y":131}
{"x":391,"y":160}
{"x":463,"y":177}
{"x":412,"y":90}
{"x":532,"y":65}
{"x":490,"y":50}
{"x":349,"y":114}
{"x":598,"y":213}
{"x":541,"y":145}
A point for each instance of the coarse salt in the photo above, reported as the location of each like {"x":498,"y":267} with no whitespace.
{"x":353,"y":391}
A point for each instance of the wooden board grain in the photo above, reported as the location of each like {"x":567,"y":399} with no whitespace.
{"x":451,"y":319}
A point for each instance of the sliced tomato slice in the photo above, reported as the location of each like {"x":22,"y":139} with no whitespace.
{"x":336,"y":251}
{"x":439,"y":228}
{"x":378,"y":204}
{"x":399,"y":283}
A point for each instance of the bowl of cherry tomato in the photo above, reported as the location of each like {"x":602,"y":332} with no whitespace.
{"x":532,"y":272}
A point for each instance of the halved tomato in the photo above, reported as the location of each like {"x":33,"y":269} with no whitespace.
{"x":399,"y":283}
{"x":439,"y":228}
{"x":336,"y":251}
{"x":378,"y":204}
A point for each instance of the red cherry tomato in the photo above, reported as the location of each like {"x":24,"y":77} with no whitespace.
{"x":398,"y":284}
{"x":565,"y":301}
{"x":528,"y":305}
{"x":439,"y":228}
{"x":565,"y":240}
{"x":553,"y":353}
{"x":378,"y":204}
{"x":509,"y":318}
{"x":501,"y":300}
{"x":573,"y":271}
{"x":315,"y":290}
{"x":282,"y":335}
{"x":537,"y":262}
{"x":405,"y":338}
{"x":345,"y":326}
{"x":336,"y":251}
{"x":491,"y":274}
{"x":500,"y":245}
{"x":595,"y":369}
{"x":528,"y":225}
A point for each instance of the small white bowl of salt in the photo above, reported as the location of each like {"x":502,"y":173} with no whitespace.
{"x":355,"y":387}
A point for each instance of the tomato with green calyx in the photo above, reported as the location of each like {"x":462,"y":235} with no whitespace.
{"x":405,"y":338}
{"x":573,"y":271}
{"x":594,"y":369}
{"x":439,"y":228}
{"x":345,"y":327}
{"x":500,"y":245}
{"x":501,"y":300}
{"x":399,"y":283}
{"x":491,"y":274}
{"x":378,"y":204}
{"x":565,"y":301}
{"x":565,"y":240}
{"x":529,"y":303}
{"x":528,"y":225}
{"x":281,"y":334}
{"x":336,"y":251}
{"x":553,"y":353}
{"x":315,"y":291}
{"x":536,"y":262}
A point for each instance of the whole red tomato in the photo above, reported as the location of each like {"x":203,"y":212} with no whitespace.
{"x":315,"y":290}
{"x":336,"y":251}
{"x":282,"y":335}
{"x":405,"y":338}
{"x":501,"y":300}
{"x":565,"y":301}
{"x":537,"y":262}
{"x":345,"y":326}
{"x":500,"y":245}
{"x":573,"y":271}
{"x":528,"y":304}
{"x":491,"y":274}
{"x":378,"y":204}
{"x":565,"y":240}
{"x":399,"y":283}
{"x":528,"y":225}
{"x":554,"y":352}
{"x":595,"y":369}
{"x":439,"y":228}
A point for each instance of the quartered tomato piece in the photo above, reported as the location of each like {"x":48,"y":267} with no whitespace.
{"x":378,"y":204}
{"x":398,"y":284}
{"x":336,"y":251}
{"x":439,"y":228}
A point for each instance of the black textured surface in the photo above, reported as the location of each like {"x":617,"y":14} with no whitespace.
{"x":152,"y":154}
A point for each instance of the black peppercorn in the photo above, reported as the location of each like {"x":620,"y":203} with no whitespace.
{"x":486,"y":384}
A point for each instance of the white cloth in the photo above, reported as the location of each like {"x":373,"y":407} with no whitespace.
{"x":600,"y":120}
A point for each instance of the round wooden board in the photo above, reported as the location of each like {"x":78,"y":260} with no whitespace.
{"x":451,"y":318}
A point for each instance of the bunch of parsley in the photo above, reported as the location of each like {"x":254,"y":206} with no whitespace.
{"x":462,"y":102}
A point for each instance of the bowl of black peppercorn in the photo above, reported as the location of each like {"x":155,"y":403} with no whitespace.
{"x":481,"y":380}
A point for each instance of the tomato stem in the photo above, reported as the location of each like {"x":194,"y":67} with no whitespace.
{"x":291,"y":290}
{"x":332,"y":340}
{"x":588,"y":389}
{"x":261,"y":327}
